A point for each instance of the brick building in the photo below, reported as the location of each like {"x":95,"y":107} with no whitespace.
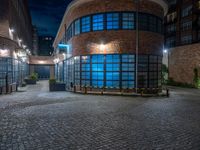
{"x":15,"y":41}
{"x":182,"y":37}
{"x":111,"y":44}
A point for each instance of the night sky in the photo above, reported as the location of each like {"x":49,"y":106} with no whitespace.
{"x":47,"y":15}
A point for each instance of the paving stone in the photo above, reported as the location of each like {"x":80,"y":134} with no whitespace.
{"x":39,"y":120}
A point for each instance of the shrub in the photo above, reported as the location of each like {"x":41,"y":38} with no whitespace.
{"x":52,"y":81}
{"x":34,"y":76}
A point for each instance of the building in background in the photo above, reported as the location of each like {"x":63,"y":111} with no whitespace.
{"x":45,"y":45}
{"x":97,"y":48}
{"x":35,"y":41}
{"x":15,"y":42}
{"x":182,"y":39}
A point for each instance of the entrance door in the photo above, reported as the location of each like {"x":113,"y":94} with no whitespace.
{"x":43,"y":71}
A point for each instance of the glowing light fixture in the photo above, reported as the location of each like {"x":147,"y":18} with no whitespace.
{"x":102,"y":47}
{"x":56,"y":60}
{"x":24,"y":46}
{"x":12,"y":30}
{"x":165,"y":51}
{"x":63,"y":46}
{"x":41,"y":62}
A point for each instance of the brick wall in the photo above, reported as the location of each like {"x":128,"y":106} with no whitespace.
{"x":182,"y":61}
{"x":96,"y":6}
{"x":121,"y":41}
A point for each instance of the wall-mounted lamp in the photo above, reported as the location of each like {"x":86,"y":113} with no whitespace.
{"x":12,"y":30}
{"x":56,"y":60}
{"x":165,"y":51}
{"x":24,"y":46}
{"x":102,"y":47}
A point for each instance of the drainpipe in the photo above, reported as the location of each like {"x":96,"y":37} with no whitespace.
{"x":137,"y":43}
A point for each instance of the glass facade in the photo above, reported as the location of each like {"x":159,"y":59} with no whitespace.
{"x":85,"y":21}
{"x":128,"y":21}
{"x":111,"y":71}
{"x":98,"y":22}
{"x":114,"y":21}
{"x":77,"y":27}
{"x":15,"y":70}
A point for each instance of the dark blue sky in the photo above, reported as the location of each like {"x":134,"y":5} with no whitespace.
{"x":47,"y":15}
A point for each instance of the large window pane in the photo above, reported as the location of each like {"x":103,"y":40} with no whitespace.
{"x":98,"y":22}
{"x":97,"y":58}
{"x":112,"y":21}
{"x":77,"y":27}
{"x":144,"y":22}
{"x":86,"y":24}
{"x":152,"y":23}
{"x":128,"y":21}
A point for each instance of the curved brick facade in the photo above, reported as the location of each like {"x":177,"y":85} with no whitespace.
{"x":116,"y":42}
{"x":104,"y":56}
{"x":112,"y":5}
{"x":121,"y":41}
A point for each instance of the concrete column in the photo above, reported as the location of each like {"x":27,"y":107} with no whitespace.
{"x":52,"y":72}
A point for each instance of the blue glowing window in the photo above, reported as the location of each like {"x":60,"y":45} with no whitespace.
{"x":97,"y":67}
{"x":86,"y":82}
{"x":85,"y":24}
{"x":112,"y":84}
{"x":112,"y":59}
{"x":112,"y":76}
{"x":98,"y":22}
{"x":77,"y":27}
{"x":97,"y":83}
{"x":85,"y":67}
{"x":128,"y":58}
{"x":128,"y":21}
{"x":112,"y":21}
{"x":86,"y":75}
{"x":97,"y":58}
{"x":112,"y":67}
{"x":128,"y":76}
{"x":128,"y":67}
{"x":97,"y":75}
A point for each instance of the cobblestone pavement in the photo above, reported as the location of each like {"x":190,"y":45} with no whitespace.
{"x":35,"y":119}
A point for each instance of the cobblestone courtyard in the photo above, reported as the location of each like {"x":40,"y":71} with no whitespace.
{"x":35,"y":119}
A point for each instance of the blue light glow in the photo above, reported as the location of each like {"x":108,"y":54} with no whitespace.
{"x":63,"y":46}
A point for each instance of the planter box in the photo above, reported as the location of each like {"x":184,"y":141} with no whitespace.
{"x":57,"y":87}
{"x":30,"y":81}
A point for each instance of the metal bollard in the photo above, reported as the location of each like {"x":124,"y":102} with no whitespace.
{"x":85,"y":90}
{"x":167,"y":92}
{"x":142,"y":93}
